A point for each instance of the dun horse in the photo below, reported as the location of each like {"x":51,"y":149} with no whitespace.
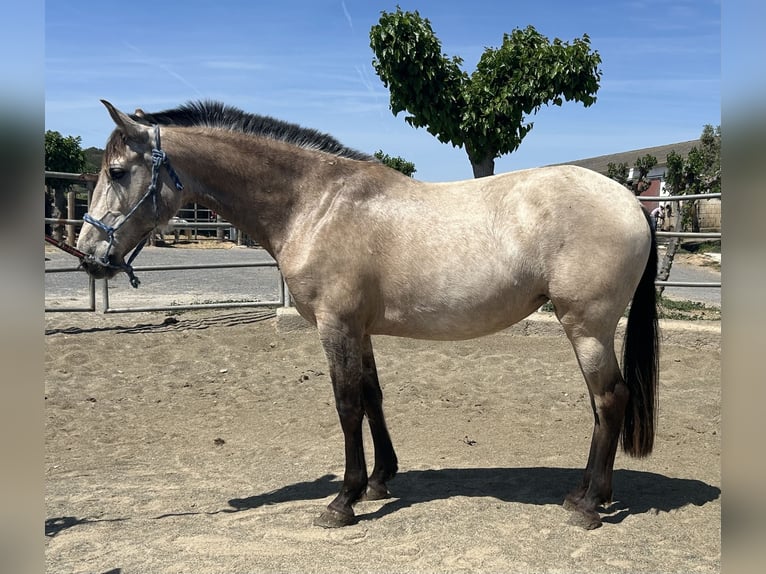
{"x":367,"y":251}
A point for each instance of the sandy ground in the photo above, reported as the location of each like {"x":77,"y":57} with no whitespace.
{"x":208,"y":442}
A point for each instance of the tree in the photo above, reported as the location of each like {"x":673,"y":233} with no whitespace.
{"x":487,"y":112}
{"x":639,"y":183}
{"x":618,"y":172}
{"x":699,"y":172}
{"x":397,"y":163}
{"x":93,"y":157}
{"x":65,"y":155}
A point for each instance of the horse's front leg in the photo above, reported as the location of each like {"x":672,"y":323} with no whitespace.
{"x":344,"y":355}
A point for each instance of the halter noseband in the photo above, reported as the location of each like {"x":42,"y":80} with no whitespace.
{"x":159,"y":159}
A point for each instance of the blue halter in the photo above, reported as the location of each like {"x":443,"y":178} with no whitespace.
{"x":159,"y":159}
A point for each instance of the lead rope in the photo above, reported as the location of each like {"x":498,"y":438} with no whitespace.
{"x":65,"y":247}
{"x":159,"y":159}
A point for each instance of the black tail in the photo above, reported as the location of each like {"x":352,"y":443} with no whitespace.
{"x":640,"y":362}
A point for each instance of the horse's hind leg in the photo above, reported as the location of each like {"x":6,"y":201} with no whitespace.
{"x":609,"y":395}
{"x":372,"y":398}
{"x":344,"y":355}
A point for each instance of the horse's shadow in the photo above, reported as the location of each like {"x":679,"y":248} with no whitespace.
{"x":636,"y":492}
{"x":54,"y":526}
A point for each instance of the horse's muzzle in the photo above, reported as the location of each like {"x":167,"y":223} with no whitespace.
{"x":97,"y":259}
{"x":99,"y":270}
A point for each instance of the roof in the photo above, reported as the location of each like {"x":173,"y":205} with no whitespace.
{"x":601,"y":162}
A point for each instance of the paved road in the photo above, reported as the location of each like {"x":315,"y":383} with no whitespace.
{"x":183,"y":287}
{"x":694,"y":273}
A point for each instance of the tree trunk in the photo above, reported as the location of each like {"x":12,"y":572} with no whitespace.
{"x":695,"y":217}
{"x":71,"y":233}
{"x":667,"y":263}
{"x":59,"y":212}
{"x":484,"y":167}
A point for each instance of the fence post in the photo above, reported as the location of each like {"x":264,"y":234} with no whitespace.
{"x":70,"y":215}
{"x":286,"y":299}
{"x":219,"y":230}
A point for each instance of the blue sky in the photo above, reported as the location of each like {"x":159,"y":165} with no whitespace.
{"x":309,"y":62}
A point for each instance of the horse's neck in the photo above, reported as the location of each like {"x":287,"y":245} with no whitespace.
{"x":241,"y":178}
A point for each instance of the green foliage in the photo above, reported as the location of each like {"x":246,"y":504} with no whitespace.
{"x":699,"y":172}
{"x":682,"y":310}
{"x":63,"y":153}
{"x":711,"y":246}
{"x":618,"y":172}
{"x":487,"y":111}
{"x":643,"y":166}
{"x":422,"y":80}
{"x":397,"y":163}
{"x":93,"y":157}
{"x":687,"y":310}
{"x":639,"y":183}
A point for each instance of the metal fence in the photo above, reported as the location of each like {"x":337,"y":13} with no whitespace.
{"x":72,"y":225}
{"x":684,"y":234}
{"x":283,"y":300}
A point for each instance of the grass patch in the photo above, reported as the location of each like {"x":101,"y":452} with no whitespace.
{"x":701,"y":247}
{"x":688,"y":310}
{"x":683,"y":310}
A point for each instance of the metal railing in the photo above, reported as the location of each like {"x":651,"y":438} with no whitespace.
{"x":283,"y":299}
{"x":685,"y":234}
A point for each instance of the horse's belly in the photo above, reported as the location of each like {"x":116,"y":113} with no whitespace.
{"x":453,"y":320}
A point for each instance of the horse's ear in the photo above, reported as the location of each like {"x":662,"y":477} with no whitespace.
{"x":131,"y":128}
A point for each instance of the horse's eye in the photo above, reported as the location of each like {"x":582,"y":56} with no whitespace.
{"x":116,"y":172}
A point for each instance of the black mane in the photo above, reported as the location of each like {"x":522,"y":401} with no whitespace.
{"x":218,"y":115}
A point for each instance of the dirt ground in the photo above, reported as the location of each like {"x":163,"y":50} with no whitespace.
{"x":208,"y":442}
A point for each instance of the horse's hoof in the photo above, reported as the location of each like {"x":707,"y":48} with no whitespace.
{"x":373,"y":493}
{"x":334,"y":519}
{"x":588,"y":520}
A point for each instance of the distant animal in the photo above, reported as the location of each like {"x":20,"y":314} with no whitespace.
{"x":171,"y":227}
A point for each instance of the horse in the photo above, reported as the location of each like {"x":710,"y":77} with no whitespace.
{"x":366,"y":250}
